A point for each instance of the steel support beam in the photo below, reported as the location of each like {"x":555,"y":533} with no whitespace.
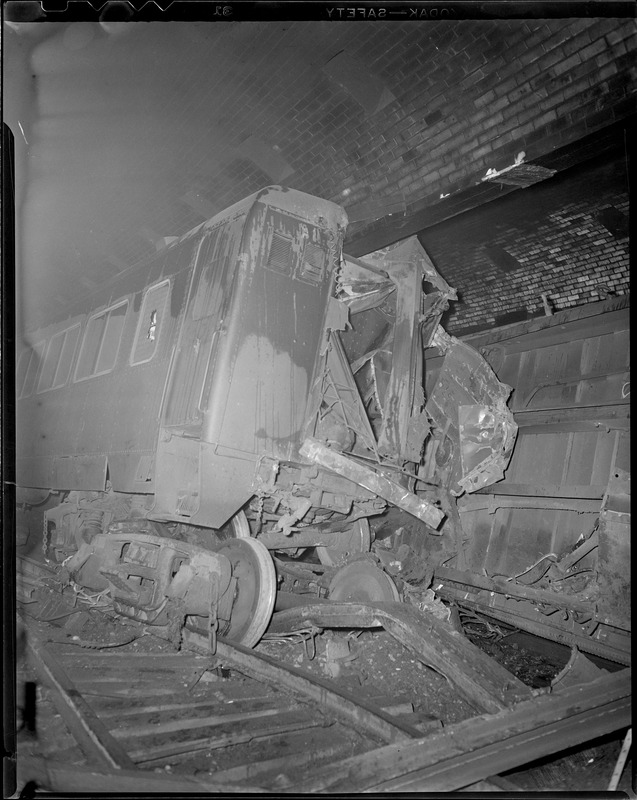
{"x":369,"y":479}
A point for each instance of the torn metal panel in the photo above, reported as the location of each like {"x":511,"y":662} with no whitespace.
{"x":404,"y":394}
{"x":420,"y":300}
{"x":337,"y":317}
{"x":368,"y":478}
{"x":614,"y":557}
{"x":338,"y":415}
{"x":361,"y":286}
{"x":578,"y":670}
{"x":474,"y":431}
{"x":373,"y":384}
{"x":410,"y":251}
{"x":411,"y":318}
{"x":405,"y":425}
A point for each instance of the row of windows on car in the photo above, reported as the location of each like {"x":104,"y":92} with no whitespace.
{"x":48,"y":364}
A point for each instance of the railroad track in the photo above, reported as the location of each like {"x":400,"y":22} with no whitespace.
{"x":135,"y":715}
{"x":240,"y":721}
{"x":240,"y":718}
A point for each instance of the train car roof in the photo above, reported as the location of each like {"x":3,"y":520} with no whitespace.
{"x":291,"y":200}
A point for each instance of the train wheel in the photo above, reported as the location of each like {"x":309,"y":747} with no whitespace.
{"x":253,"y":568}
{"x":362,"y":582}
{"x":240,"y":525}
{"x":357,"y":539}
{"x":237,"y":527}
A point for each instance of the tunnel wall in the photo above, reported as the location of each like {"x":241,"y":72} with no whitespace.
{"x":561,"y":249}
{"x":487,"y":90}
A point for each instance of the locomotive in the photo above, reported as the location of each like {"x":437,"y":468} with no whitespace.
{"x":248,"y":390}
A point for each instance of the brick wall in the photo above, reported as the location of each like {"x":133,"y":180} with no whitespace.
{"x":469,"y":96}
{"x":565,"y":253}
{"x":424,"y":110}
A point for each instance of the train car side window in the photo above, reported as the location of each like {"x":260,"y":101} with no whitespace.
{"x":58,"y":359}
{"x":150,"y":322}
{"x":30,"y":367}
{"x":21,"y":371}
{"x":101,"y":342}
{"x":66,"y":359}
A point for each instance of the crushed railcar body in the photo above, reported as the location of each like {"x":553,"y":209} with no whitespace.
{"x":251,"y":411}
{"x":547,"y":549}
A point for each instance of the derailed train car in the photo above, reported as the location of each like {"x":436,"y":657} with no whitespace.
{"x":247,"y":391}
{"x":547,"y":550}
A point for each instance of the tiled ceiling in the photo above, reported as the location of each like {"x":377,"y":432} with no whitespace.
{"x":126,"y":134}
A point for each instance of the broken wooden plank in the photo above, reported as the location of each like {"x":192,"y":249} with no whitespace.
{"x":305,"y":759}
{"x":107,"y":691}
{"x":621,"y":761}
{"x":155,"y":728}
{"x":369,"y":479}
{"x":487,"y":685}
{"x":200,"y":704}
{"x":132,"y":662}
{"x":357,"y":713}
{"x":92,"y":736}
{"x":225,"y":740}
{"x":478,"y":748}
{"x":73,"y":779}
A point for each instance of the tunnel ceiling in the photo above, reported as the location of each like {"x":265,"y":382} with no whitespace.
{"x":129,"y":133}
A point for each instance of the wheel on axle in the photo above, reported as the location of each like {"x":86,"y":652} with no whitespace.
{"x":237,"y":527}
{"x":357,"y":539}
{"x":255,"y":593}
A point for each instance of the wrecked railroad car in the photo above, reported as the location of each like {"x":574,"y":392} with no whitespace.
{"x":247,"y":391}
{"x":547,"y":550}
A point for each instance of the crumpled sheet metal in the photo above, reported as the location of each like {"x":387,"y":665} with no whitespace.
{"x":472,"y":422}
{"x":487,"y":436}
{"x":410,"y":251}
{"x":416,"y":314}
{"x":614,"y":553}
